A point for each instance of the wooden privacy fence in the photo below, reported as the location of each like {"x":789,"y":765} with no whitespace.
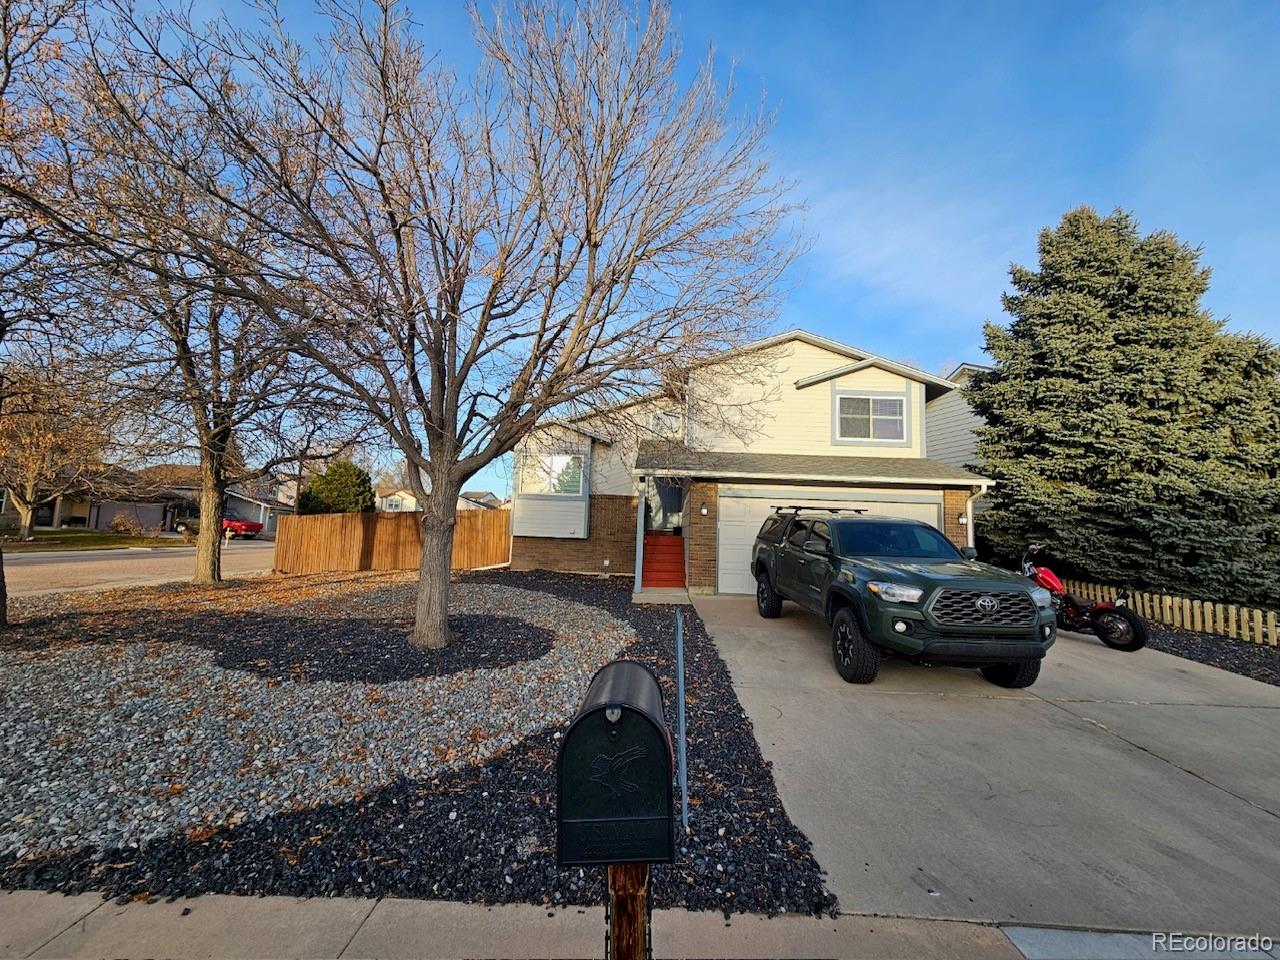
{"x":344,"y":542}
{"x":1224,"y":619}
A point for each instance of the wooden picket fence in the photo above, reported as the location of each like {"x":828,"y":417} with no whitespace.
{"x":1203,"y":616}
{"x":345,"y":542}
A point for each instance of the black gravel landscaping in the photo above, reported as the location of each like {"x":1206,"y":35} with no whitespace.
{"x":412,"y":776}
{"x":1254,"y":660}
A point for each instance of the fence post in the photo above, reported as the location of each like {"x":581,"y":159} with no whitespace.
{"x":1271,"y":628}
{"x":680,"y":729}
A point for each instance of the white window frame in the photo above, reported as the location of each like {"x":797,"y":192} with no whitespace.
{"x":541,"y":459}
{"x":871,"y":398}
{"x":392,"y":504}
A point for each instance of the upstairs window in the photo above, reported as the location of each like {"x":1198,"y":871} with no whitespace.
{"x":870,"y":418}
{"x":665,"y":424}
{"x":558,"y":474}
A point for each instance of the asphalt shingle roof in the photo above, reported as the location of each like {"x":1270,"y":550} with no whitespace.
{"x":660,"y":457}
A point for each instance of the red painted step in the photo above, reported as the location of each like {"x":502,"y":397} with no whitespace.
{"x":663,"y":564}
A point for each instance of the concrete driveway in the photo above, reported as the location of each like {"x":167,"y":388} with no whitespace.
{"x":1136,"y":791}
{"x":52,"y":572}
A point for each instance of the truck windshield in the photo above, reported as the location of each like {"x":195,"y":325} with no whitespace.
{"x":867,"y":538}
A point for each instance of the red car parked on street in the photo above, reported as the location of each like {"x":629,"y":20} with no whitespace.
{"x":233,"y":525}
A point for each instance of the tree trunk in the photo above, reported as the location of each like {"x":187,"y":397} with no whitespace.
{"x":431,"y":615}
{"x":26,"y":512}
{"x":209,"y":540}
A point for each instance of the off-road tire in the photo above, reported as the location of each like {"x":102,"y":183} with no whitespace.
{"x":857,"y":659}
{"x":768,"y":603}
{"x":1013,"y":676}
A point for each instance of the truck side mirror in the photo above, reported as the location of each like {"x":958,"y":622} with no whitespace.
{"x":969,"y":553}
{"x":818,"y":546}
{"x":614,"y":800}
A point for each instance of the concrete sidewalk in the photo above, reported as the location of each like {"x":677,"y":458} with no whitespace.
{"x":51,"y":925}
{"x":34,"y":924}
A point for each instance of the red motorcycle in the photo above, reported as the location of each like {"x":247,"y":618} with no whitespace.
{"x":1112,"y":621}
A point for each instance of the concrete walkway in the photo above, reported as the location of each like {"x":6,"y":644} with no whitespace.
{"x":228,"y":928}
{"x":1123,"y":791}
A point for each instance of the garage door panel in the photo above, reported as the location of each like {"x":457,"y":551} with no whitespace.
{"x":739,"y":520}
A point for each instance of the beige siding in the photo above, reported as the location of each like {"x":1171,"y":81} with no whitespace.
{"x":611,"y":469}
{"x":776,"y":417}
{"x":949,"y":428}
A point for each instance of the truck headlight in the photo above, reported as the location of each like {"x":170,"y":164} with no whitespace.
{"x":1042,"y":597}
{"x":895,"y":592}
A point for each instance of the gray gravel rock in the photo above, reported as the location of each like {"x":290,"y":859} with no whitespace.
{"x":113,"y":745}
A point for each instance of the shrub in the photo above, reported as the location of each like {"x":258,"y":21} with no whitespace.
{"x":124,"y":522}
{"x":343,"y":488}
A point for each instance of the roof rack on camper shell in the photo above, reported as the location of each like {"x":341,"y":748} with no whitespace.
{"x":796,"y":508}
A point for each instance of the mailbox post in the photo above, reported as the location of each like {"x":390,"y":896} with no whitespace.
{"x":614,"y":801}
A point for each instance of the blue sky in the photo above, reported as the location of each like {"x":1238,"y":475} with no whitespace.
{"x":931,"y":143}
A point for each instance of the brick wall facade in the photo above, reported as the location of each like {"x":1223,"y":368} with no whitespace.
{"x":611,"y":536}
{"x":953,"y":501}
{"x":700,"y":537}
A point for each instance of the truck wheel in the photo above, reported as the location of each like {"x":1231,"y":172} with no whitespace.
{"x":250,"y":536}
{"x":857,"y":658}
{"x":768,"y":603}
{"x":1014,"y":676}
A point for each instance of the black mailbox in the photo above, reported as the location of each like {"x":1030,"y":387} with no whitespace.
{"x":614,"y":800}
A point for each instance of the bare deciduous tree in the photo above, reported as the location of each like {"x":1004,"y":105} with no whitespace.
{"x":55,"y":436}
{"x":570,"y":229}
{"x":31,"y":36}
{"x":217,"y":380}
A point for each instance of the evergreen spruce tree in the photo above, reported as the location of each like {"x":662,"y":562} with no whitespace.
{"x":342,"y":488}
{"x":1123,"y":426}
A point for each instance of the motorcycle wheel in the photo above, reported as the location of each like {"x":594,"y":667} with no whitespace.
{"x":1120,"y":629}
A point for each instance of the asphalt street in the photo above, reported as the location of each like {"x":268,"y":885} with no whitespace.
{"x":32,"y":573}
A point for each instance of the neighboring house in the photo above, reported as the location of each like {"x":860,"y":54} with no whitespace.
{"x":485,"y":498}
{"x":389,"y":498}
{"x":259,"y":500}
{"x":392,"y":499}
{"x":950,"y":422}
{"x":837,"y":426}
{"x":159,"y":497}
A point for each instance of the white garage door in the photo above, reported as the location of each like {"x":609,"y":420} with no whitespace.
{"x":740,"y":518}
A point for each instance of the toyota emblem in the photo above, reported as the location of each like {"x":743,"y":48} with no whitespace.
{"x":987,"y":604}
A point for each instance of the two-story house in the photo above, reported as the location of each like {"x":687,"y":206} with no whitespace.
{"x":839,"y":426}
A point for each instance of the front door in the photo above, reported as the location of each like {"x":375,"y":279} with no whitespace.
{"x":664,"y":505}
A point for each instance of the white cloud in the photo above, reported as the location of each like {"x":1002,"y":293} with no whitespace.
{"x":923,"y":242}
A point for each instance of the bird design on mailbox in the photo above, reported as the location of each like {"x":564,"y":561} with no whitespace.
{"x":610,"y":772}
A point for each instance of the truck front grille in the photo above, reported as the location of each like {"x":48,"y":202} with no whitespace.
{"x":984,"y":608}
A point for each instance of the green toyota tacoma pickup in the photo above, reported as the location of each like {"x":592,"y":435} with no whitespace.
{"x":898,"y":587}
